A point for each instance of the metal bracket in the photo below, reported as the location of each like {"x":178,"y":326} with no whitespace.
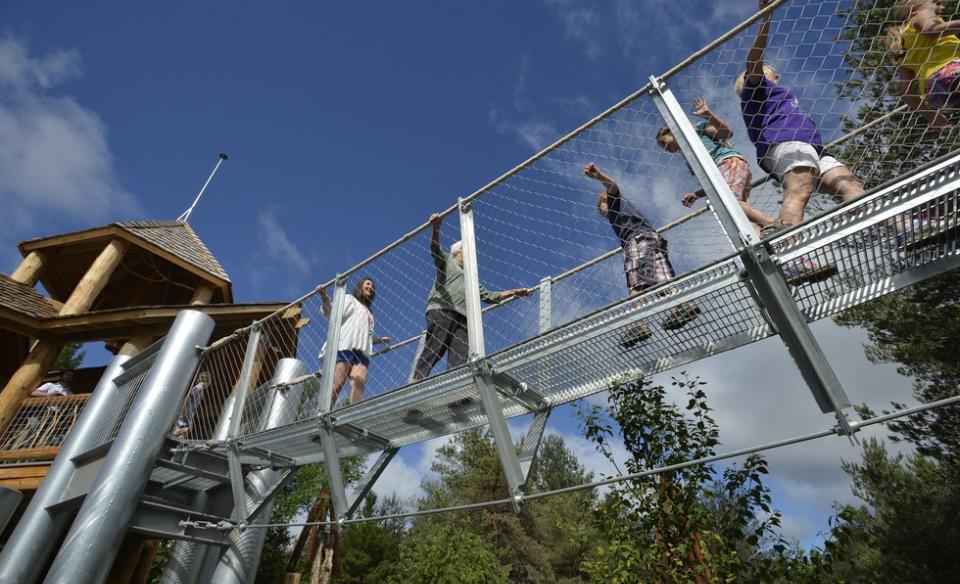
{"x":508,"y":386}
{"x":360,"y":434}
{"x":373,"y":473}
{"x":767,"y":283}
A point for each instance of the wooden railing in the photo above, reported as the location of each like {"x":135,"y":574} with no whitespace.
{"x":40,"y":427}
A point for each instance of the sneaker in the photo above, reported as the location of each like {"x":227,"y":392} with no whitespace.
{"x":637,"y":334}
{"x":806,"y":271}
{"x":682,"y":315}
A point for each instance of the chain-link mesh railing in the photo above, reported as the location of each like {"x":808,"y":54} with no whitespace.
{"x":539,"y":227}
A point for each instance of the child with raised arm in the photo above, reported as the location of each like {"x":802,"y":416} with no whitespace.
{"x":645,"y":259}
{"x":788,"y":142}
{"x":715,"y":133}
{"x":929,"y":53}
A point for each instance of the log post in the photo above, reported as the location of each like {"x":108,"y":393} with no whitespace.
{"x":45,"y":352}
{"x":202,"y":295}
{"x":28,"y":272}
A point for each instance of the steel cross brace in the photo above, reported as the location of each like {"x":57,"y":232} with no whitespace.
{"x":373,"y":474}
{"x":331,"y":461}
{"x":531,"y":442}
{"x":486,"y":381}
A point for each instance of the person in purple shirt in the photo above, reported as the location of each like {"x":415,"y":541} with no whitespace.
{"x":788,"y":142}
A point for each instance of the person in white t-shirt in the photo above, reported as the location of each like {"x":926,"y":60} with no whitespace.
{"x":356,"y":338}
{"x":54,"y":389}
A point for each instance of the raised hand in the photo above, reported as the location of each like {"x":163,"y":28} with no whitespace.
{"x":701,"y":108}
{"x":591,"y":171}
{"x":689,"y":199}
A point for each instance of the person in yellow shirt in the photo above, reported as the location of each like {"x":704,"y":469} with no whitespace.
{"x":929,"y":53}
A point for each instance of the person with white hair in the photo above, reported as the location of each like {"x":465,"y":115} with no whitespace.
{"x":447,"y":307}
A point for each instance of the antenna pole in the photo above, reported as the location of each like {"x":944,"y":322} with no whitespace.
{"x":186,"y":214}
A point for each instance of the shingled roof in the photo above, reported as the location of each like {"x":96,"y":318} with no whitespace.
{"x":178,"y":238}
{"x":24,"y":299}
{"x":174,"y":237}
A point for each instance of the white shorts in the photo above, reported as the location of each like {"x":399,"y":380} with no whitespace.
{"x":784,"y":157}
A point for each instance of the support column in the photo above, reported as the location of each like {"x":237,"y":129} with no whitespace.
{"x":328,"y":442}
{"x":45,"y":352}
{"x":28,"y":272}
{"x":31,"y":543}
{"x":239,"y":563}
{"x":91,"y":545}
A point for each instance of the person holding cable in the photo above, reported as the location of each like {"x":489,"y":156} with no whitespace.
{"x":446,"y":313}
{"x":356,"y":338}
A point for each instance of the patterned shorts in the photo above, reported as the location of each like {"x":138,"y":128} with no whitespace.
{"x":942,"y":85}
{"x":645,"y":262}
{"x":736,"y":171}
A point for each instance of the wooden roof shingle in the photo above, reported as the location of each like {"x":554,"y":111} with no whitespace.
{"x":21,"y":298}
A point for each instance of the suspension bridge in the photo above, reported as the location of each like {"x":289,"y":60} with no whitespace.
{"x":267,"y":405}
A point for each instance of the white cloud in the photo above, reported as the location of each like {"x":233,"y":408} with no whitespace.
{"x":276,"y":245}
{"x":581,"y":23}
{"x":54,"y":156}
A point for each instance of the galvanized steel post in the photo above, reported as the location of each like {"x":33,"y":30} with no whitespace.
{"x":32,"y":542}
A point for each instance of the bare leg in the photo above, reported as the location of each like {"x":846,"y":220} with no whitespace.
{"x":841,"y":184}
{"x":797,"y":189}
{"x":340,"y":374}
{"x":757,"y":217}
{"x":358,"y":382}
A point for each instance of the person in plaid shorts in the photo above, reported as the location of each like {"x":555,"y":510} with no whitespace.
{"x":645,"y":259}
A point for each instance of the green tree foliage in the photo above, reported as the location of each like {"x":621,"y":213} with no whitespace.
{"x":70,"y":357}
{"x":452,"y":553}
{"x":370,"y":550}
{"x":545,"y":543}
{"x":693,"y":524}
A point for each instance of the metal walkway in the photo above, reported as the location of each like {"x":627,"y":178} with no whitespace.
{"x":873,"y":256}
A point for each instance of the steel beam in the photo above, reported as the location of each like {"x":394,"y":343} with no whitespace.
{"x":332,"y":346}
{"x":724,"y":203}
{"x":489,"y":397}
{"x":774,"y":295}
{"x":238,"y":564}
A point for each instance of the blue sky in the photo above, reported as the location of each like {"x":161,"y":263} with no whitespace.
{"x":347,"y":124}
